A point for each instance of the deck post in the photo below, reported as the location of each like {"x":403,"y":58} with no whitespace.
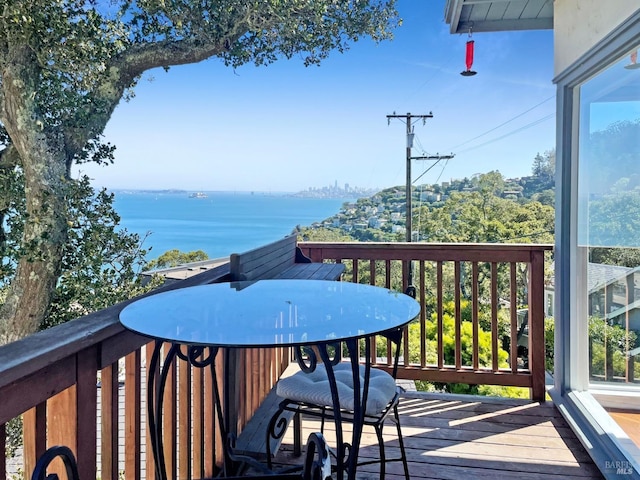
{"x":536,"y":326}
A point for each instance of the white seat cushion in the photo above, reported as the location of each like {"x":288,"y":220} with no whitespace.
{"x":314,"y":387}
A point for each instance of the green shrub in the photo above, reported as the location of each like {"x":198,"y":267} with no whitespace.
{"x":449,"y":344}
{"x":608,"y":346}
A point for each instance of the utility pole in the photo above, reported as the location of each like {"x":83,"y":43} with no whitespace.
{"x":409,"y":119}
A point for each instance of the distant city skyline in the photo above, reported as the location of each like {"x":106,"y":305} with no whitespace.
{"x":298,"y":189}
{"x":210,"y":127}
{"x":336,"y":191}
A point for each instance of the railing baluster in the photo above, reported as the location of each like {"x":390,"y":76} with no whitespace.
{"x":406,"y":267}
{"x":109,"y":422}
{"x":405,"y":347}
{"x":513,"y":310}
{"x":62,"y":428}
{"x":494,"y":316}
{"x":34,"y":427}
{"x":373,"y":354}
{"x":387,"y":272}
{"x":86,"y":411}
{"x":273,"y":373}
{"x":423,"y":317}
{"x":132,"y":416}
{"x":355,"y":270}
{"x":439,"y":312}
{"x":372,"y":272}
{"x":198,"y":423}
{"x":150,"y":467}
{"x":458,"y":316}
{"x":255,"y":374}
{"x":261,"y":375}
{"x":209,"y":441}
{"x":184,"y":420}
{"x":475,"y":320}
{"x":244,"y":411}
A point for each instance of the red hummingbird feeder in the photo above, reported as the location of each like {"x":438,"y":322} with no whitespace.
{"x":469,"y":58}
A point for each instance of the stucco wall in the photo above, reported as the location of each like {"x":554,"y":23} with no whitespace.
{"x":579,"y":24}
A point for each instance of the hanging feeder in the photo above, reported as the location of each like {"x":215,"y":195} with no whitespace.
{"x":469,"y":58}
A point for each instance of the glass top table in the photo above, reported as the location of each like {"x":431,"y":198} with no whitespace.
{"x":269,"y":313}
{"x":265,"y":313}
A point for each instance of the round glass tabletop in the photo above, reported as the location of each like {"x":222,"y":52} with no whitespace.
{"x":269,"y":313}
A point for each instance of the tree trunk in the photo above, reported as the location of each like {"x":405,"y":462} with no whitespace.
{"x":44,"y":236}
{"x":43,"y":160}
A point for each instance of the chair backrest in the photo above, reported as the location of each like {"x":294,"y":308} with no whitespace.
{"x":394,"y":335}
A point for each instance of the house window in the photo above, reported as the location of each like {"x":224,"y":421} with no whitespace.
{"x":608,"y":230}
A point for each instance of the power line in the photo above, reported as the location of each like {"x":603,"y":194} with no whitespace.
{"x":441,"y":171}
{"x":534,"y":234}
{"x":502,"y":124}
{"x":508,"y":134}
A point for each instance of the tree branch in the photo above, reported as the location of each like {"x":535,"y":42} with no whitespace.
{"x":143,"y":57}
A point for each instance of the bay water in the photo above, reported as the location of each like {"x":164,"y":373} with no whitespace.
{"x":219,"y":223}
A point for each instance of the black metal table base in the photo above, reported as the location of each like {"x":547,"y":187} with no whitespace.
{"x":346,"y":453}
{"x":158,"y":374}
{"x":198,"y":357}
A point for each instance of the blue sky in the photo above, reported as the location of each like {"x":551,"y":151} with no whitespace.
{"x":286,"y":127}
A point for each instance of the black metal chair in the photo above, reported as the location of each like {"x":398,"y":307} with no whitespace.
{"x":307,"y":394}
{"x":69,"y":460}
{"x":317,"y":463}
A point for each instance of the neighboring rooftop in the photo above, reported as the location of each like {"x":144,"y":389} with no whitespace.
{"x":600,"y":275}
{"x":186,"y":270}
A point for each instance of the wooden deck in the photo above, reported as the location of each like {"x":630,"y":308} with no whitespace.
{"x":454,"y":437}
{"x":629,"y":421}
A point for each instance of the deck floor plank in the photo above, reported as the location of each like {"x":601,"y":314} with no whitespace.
{"x":450,"y":437}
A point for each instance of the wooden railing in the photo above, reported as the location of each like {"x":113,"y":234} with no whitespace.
{"x":478,"y":293}
{"x":83,"y":384}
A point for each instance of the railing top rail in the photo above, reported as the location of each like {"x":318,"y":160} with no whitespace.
{"x":431,"y":246}
{"x":406,"y":251}
{"x":29,"y":355}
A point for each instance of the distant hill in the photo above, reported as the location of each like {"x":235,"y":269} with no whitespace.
{"x":517,"y":209}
